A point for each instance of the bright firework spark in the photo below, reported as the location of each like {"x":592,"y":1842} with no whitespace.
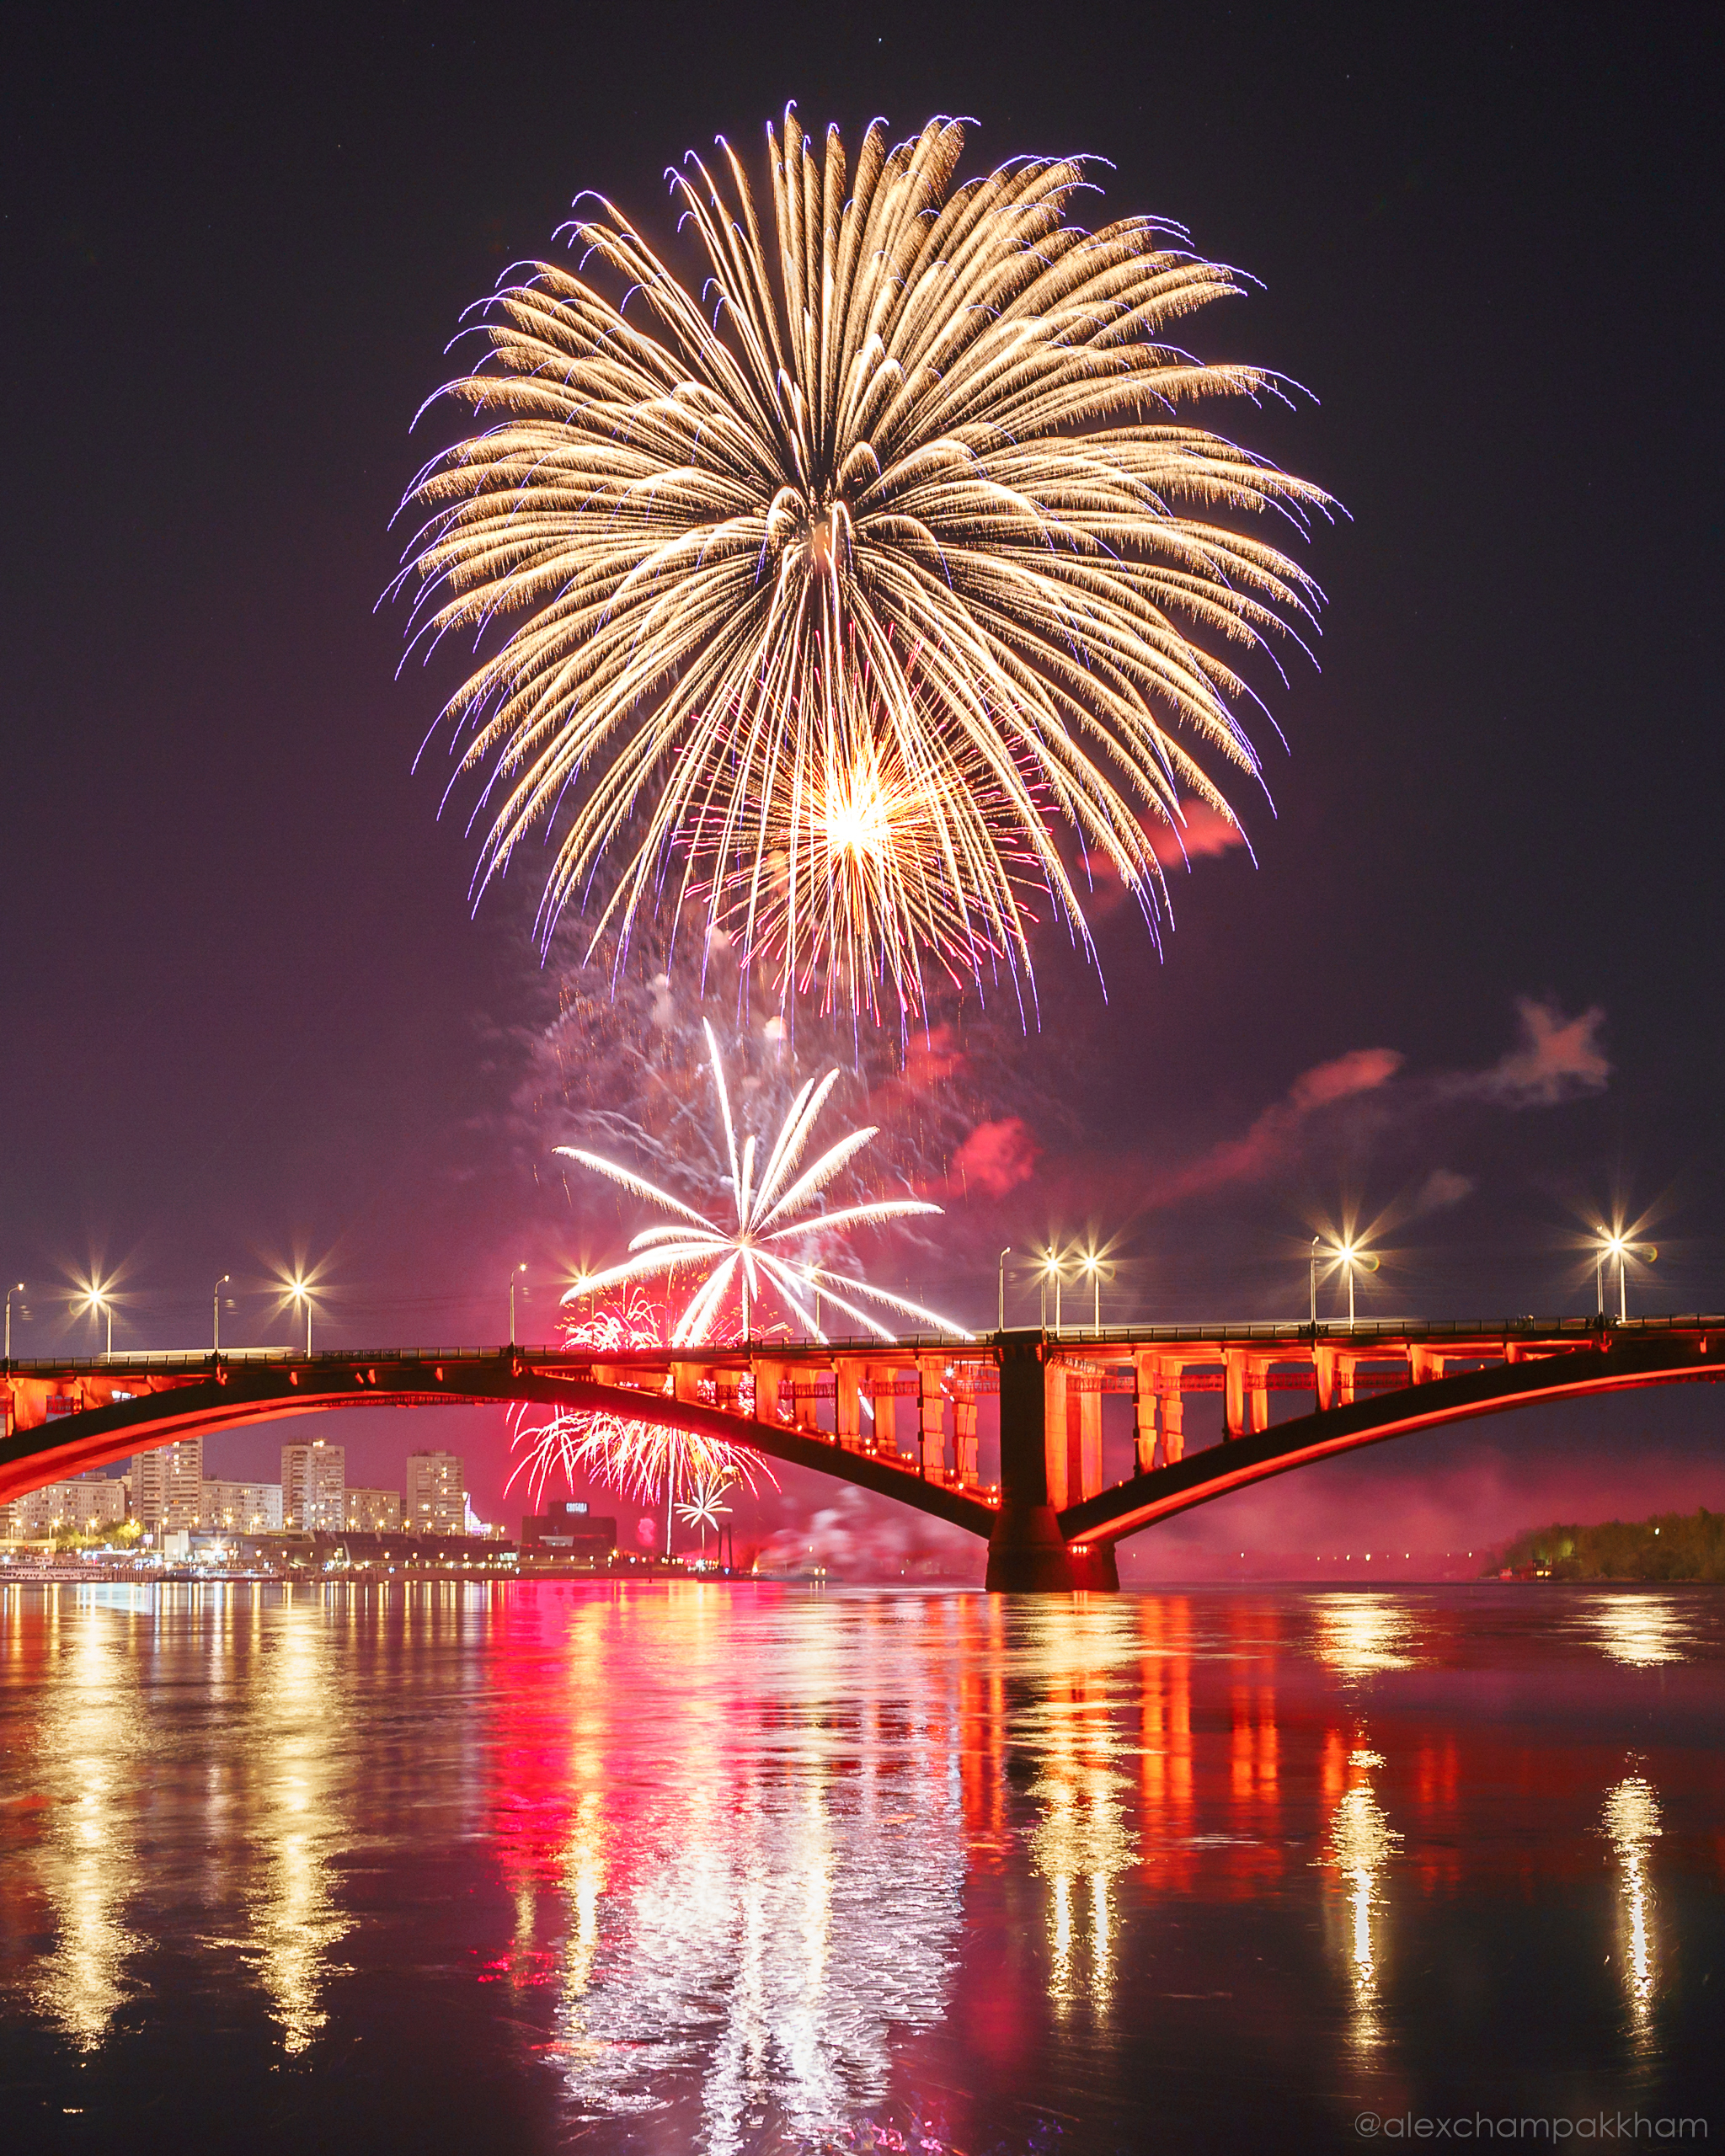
{"x":863,"y":853}
{"x":763,"y":1246}
{"x":899,"y":485}
{"x":636,"y":1458}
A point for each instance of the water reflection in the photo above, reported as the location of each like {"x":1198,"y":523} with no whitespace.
{"x":1362,"y":1842}
{"x":1639,"y":1630}
{"x":1081,"y":1840}
{"x":85,"y":1769}
{"x":756,"y":1908}
{"x":1360,"y":1634}
{"x":1632,"y":1824}
{"x":296,"y":1815}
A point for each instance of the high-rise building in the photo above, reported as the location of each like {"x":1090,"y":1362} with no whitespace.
{"x":372,"y":1512}
{"x":314,"y":1487}
{"x":167,"y":1486}
{"x":242,"y":1508}
{"x":436,"y":1493}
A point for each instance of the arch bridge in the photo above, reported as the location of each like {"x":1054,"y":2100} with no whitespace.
{"x":900,"y":1418}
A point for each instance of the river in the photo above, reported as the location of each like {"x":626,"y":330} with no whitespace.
{"x":669,"y":1868}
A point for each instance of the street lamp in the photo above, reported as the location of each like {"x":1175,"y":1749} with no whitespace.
{"x":1615,"y":1246}
{"x":1049,"y":1269}
{"x":215,"y":1314}
{"x":1348,"y":1255}
{"x":10,"y":1292}
{"x":1005,"y":1255}
{"x":513,"y":1277}
{"x":1091,"y":1263}
{"x":97,"y":1299}
{"x":299,"y":1290}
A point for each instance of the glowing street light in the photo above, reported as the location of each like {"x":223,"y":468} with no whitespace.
{"x":1348,"y":1255}
{"x":17,"y":1290}
{"x":513,"y":1277}
{"x":215,"y":1314}
{"x":1005,"y":1255}
{"x":1093,"y":1265}
{"x":1614,"y":1244}
{"x":1049,"y":1269}
{"x":97,"y":1300}
{"x":299,"y":1292}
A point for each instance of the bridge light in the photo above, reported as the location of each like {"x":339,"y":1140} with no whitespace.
{"x":1614,"y":1243}
{"x":99,"y":1302}
{"x":1351,"y":1257}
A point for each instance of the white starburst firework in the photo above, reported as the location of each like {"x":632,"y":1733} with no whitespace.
{"x":774,"y":1233}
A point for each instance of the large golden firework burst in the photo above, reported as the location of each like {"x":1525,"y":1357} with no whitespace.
{"x":901,"y":485}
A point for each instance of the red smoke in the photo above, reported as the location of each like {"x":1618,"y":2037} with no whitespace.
{"x":1273,"y":1135}
{"x":996,"y":1157}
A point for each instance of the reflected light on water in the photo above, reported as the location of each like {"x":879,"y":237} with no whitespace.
{"x":1632,"y":1824}
{"x":1640,"y":1629}
{"x":744,"y":1910}
{"x":296,"y":1726}
{"x":1081,"y":1839}
{"x":87,"y":1863}
{"x":1362,"y":1842}
{"x":1358,"y":1634}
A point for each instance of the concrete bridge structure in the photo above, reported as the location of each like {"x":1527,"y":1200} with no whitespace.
{"x":901,"y":1418}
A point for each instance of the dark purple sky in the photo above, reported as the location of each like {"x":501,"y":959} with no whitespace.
{"x":248,"y":1007}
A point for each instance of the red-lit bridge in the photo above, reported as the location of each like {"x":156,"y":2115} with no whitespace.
{"x":902,"y":1419}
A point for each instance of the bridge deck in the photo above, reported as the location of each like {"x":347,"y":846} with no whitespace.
{"x":843,"y":1406}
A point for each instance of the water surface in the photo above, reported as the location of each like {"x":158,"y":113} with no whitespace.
{"x":697,"y":1868}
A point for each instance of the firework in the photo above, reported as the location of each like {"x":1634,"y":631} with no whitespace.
{"x":705,"y":1507}
{"x":896,"y":494}
{"x":635,"y":1459}
{"x":775,"y":1229}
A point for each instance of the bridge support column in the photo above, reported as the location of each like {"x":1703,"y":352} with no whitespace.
{"x":1026,"y":1552}
{"x":1174,"y":1411}
{"x":769,"y":1379}
{"x":932,"y":1456}
{"x":847,"y":1403}
{"x":964,"y":1441}
{"x":1056,"y":1432}
{"x":1323,"y":1366}
{"x":1144,"y":1390}
{"x":1090,"y":1439}
{"x":1246,"y":1392}
{"x":1425,"y":1365}
{"x":884,"y":1395}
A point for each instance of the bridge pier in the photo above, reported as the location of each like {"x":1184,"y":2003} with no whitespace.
{"x":1026,"y":1552}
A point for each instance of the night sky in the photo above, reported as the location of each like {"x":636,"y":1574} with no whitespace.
{"x":1470,"y":989}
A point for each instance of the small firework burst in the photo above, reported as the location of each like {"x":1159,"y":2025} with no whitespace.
{"x":635,"y":1459}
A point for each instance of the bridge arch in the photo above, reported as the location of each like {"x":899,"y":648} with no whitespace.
{"x":238,"y":1396}
{"x":78,"y":1417}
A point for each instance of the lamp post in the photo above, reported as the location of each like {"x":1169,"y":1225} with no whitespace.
{"x":1049,"y":1269}
{"x":300,"y":1290}
{"x":16,"y":1290}
{"x":216,"y":1315}
{"x":1349,"y":1255}
{"x":97,"y":1299}
{"x":1092,"y":1264}
{"x":1005,"y":1255}
{"x":513,"y":1277}
{"x":1617,"y":1246}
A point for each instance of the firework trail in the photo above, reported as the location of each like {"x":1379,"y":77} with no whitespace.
{"x":852,"y":586}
